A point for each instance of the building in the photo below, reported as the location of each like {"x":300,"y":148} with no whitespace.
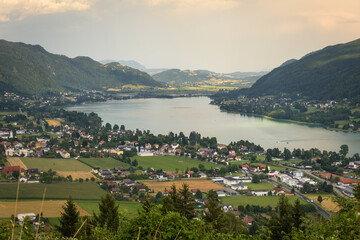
{"x":240,"y":186}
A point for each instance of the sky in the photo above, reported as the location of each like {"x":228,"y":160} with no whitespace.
{"x":218,"y":35}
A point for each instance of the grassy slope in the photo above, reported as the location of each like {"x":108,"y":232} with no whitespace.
{"x":170,"y":163}
{"x":60,"y":191}
{"x":130,"y":208}
{"x":56,"y":164}
{"x":254,"y":200}
{"x":260,"y":186}
{"x":103,"y":162}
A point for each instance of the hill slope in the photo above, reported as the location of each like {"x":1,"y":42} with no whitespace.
{"x":177,"y":76}
{"x":333,"y":72}
{"x":30,"y":69}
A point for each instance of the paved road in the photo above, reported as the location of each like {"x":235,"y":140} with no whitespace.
{"x":298,"y":194}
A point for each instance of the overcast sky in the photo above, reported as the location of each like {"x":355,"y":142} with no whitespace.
{"x":218,"y":35}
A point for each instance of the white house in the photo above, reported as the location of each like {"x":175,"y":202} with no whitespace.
{"x":297,"y":174}
{"x":259,"y":193}
{"x":240,"y":186}
{"x":22,"y":216}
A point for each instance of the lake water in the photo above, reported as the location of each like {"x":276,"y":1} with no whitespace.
{"x":196,"y":114}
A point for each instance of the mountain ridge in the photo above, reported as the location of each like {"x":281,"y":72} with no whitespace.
{"x":30,"y":69}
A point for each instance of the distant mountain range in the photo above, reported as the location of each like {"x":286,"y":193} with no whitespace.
{"x":330,"y":73}
{"x":136,"y":65}
{"x":177,"y":76}
{"x":30,"y":69}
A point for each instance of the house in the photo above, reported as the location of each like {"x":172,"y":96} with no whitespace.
{"x":22,"y":216}
{"x":194,"y":191}
{"x":245,"y":179}
{"x":11,"y":169}
{"x":240,"y":186}
{"x":227,"y":207}
{"x":263,"y":167}
{"x":248,"y":220}
{"x":64,"y":154}
{"x":221,"y":193}
{"x":140,"y":187}
{"x":202,"y":175}
{"x":297,"y":174}
{"x":278,"y":191}
{"x":231,"y":192}
{"x":259,"y":193}
{"x":230,"y":181}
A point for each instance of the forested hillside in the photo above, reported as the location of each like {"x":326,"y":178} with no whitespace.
{"x":30,"y":69}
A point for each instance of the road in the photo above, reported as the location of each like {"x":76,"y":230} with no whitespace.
{"x":298,"y":194}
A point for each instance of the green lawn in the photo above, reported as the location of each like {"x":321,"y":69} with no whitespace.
{"x":56,"y":191}
{"x":254,"y":200}
{"x":170,"y":163}
{"x":260,"y":186}
{"x":130,"y":208}
{"x":56,"y":164}
{"x":103,"y":162}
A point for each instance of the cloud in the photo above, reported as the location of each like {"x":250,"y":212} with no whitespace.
{"x":186,"y":5}
{"x":20,"y":9}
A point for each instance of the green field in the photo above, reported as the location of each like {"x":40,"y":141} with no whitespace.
{"x":103,"y":162}
{"x":260,"y":186}
{"x":255,"y":200}
{"x":57,"y":191}
{"x":56,"y":164}
{"x":171,"y":163}
{"x":130,"y":208}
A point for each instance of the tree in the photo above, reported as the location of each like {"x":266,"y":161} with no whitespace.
{"x":198,"y":195}
{"x":134,"y":163}
{"x":255,"y":178}
{"x":109,"y":214}
{"x":344,"y":149}
{"x":213,"y":212}
{"x":306,"y":188}
{"x":320,"y":199}
{"x":69,"y":219}
{"x":122,"y":128}
{"x":16,"y":174}
{"x":115,"y":127}
{"x":108,"y":126}
{"x":280,"y":224}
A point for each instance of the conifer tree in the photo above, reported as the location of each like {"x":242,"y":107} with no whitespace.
{"x":213,"y":212}
{"x":69,"y":219}
{"x":109,"y":214}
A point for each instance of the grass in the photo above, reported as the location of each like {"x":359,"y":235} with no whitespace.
{"x":255,"y":200}
{"x":328,"y":204}
{"x":58,"y":191}
{"x":171,"y":163}
{"x":103,"y":162}
{"x":130,"y":208}
{"x":56,"y":164}
{"x":260,"y":186}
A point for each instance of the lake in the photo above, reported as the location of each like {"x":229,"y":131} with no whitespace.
{"x":161,"y":115}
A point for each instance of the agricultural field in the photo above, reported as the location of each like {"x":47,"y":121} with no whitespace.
{"x":130,"y":208}
{"x":76,"y":174}
{"x":56,"y":164}
{"x":50,"y":208}
{"x":171,"y":163}
{"x":103,"y":162}
{"x":16,"y":162}
{"x":52,"y":122}
{"x":260,"y":186}
{"x":56,"y":191}
{"x":257,"y":200}
{"x":203,"y":185}
{"x":328,"y":204}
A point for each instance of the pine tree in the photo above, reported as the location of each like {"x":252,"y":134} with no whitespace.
{"x":109,"y":214}
{"x":69,"y":219}
{"x":213,"y":212}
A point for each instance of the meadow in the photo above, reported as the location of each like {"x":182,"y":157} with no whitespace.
{"x":203,"y":185}
{"x":260,"y":186}
{"x":257,"y":200}
{"x":328,"y":204}
{"x":171,"y":163}
{"x":50,"y":208}
{"x":56,"y":191}
{"x":129,"y":208}
{"x":56,"y":164}
{"x":103,"y":162}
